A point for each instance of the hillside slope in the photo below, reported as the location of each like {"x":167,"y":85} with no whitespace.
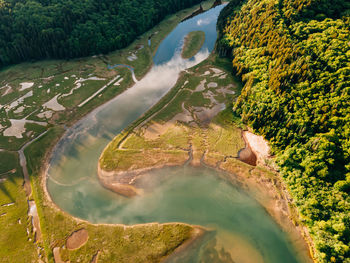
{"x":294,"y":57}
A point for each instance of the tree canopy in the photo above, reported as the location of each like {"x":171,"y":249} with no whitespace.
{"x":38,"y":29}
{"x":294,"y":57}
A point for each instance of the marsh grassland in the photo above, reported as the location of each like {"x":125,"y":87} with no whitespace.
{"x":194,"y":125}
{"x":37,"y":102}
{"x":190,"y":122}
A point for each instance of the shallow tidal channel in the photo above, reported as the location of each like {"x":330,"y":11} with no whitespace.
{"x":242,"y":231}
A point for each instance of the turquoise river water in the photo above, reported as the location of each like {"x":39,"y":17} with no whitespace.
{"x":242,"y":229}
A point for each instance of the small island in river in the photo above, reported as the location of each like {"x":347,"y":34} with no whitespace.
{"x":193,"y":43}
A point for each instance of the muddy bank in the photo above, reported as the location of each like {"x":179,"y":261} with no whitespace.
{"x":181,"y":254}
{"x":217,"y":3}
{"x":247,"y":156}
{"x":258,"y":145}
{"x":200,"y":10}
{"x":33,"y":215}
{"x":57,"y":255}
{"x":125,"y":182}
{"x":257,"y":150}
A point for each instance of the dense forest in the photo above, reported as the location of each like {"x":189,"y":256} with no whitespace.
{"x":294,"y":58}
{"x":37,"y":29}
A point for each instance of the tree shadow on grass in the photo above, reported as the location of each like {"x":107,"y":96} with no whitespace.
{"x":6,"y":192}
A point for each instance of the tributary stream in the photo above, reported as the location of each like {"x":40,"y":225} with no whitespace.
{"x":185,"y":194}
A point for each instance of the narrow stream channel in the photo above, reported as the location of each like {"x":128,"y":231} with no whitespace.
{"x":185,"y":194}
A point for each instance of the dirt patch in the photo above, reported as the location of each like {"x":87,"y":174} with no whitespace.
{"x":19,"y":110}
{"x":258,"y":145}
{"x":212,"y":85}
{"x":77,"y":239}
{"x":8,"y":204}
{"x":8,"y":90}
{"x":132,"y":57}
{"x":46,"y":114}
{"x":57,"y":256}
{"x":118,"y":82}
{"x":33,"y":214}
{"x":16,"y":129}
{"x":218,"y":72}
{"x":183,"y":117}
{"x":206,"y":73}
{"x":246,"y":155}
{"x":201,"y":86}
{"x":17,"y":102}
{"x":53,"y":104}
{"x":210,"y":95}
{"x":26,"y":85}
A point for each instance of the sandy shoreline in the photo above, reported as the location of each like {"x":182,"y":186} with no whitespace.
{"x":109,"y":179}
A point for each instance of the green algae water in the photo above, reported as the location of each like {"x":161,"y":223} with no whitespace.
{"x":242,"y":231}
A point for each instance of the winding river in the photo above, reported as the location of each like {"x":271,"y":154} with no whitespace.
{"x":185,"y":194}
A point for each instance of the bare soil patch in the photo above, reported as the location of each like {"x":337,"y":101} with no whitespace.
{"x":246,"y":155}
{"x":77,"y":239}
{"x":258,"y":145}
{"x":57,"y":256}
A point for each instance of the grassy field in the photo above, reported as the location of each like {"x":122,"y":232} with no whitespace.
{"x":25,"y":89}
{"x":193,"y":43}
{"x":72,"y":82}
{"x":15,"y":244}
